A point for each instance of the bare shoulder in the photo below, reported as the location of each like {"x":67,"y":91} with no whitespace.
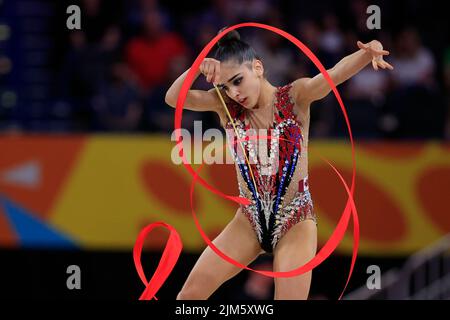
{"x":299,"y":92}
{"x":300,"y":83}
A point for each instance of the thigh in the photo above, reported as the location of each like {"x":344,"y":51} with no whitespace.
{"x":238,"y":241}
{"x":294,"y":249}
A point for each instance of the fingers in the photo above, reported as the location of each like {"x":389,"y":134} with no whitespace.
{"x":210,"y":69}
{"x":373,"y":48}
{"x":216,"y":73}
{"x":209,"y":72}
{"x":380,"y":52}
{"x":384,"y":65}
{"x":380,"y":63}
{"x":377,"y":53}
{"x":374,"y":64}
{"x":213,"y":73}
{"x":362,"y":45}
{"x":202,"y":68}
{"x":390,"y":67}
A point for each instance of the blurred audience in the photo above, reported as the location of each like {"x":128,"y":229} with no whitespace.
{"x":414,"y":63}
{"x":447,"y":92}
{"x":149,"y":54}
{"x":115,"y":71}
{"x":117,"y":105}
{"x":331,"y":39}
{"x":276,"y":56}
{"x":412,"y":108}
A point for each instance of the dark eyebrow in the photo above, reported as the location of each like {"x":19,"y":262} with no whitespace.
{"x":222,"y":85}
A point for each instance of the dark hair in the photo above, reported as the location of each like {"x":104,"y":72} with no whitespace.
{"x":231,"y":47}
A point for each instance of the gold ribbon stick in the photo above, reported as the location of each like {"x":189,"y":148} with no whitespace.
{"x":237,"y":135}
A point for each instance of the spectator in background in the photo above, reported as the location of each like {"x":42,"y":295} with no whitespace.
{"x":95,"y":20}
{"x":150,"y":54}
{"x":205,"y":32}
{"x":447,"y":92}
{"x":250,"y":10}
{"x":368,"y":85}
{"x":322,"y":117}
{"x":158,"y":118}
{"x":223,"y":13}
{"x":72,"y":82}
{"x":309,"y":33}
{"x":415,"y":64}
{"x":271,"y":48}
{"x":358,"y":12}
{"x":365,"y":95}
{"x":136,"y":13}
{"x":412,"y":107}
{"x":331,"y":38}
{"x":216,"y":16}
{"x":77,"y":83}
{"x":117,"y":107}
{"x":84,"y":72}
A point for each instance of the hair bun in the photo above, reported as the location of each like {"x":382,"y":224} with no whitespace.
{"x":232,"y":35}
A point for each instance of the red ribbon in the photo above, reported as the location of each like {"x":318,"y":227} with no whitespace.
{"x":325,"y":251}
{"x":166,"y":264}
{"x":173,"y":248}
{"x":350,"y":208}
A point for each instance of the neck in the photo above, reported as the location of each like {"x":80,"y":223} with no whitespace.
{"x":266,"y":95}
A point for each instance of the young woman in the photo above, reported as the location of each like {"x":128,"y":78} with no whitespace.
{"x":280,"y":219}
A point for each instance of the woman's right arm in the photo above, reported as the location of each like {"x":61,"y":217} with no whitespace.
{"x":198,"y":100}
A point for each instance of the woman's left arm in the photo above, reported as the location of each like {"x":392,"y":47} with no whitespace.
{"x":308,"y":90}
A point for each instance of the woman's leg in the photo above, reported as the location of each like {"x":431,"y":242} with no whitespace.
{"x":237,"y":240}
{"x":294,"y":249}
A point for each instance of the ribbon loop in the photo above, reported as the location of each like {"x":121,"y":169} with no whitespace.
{"x":166,"y":264}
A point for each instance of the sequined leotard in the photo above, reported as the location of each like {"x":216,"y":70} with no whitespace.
{"x":270,"y":213}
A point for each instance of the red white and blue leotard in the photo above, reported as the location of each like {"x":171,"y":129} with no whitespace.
{"x":270,"y":214}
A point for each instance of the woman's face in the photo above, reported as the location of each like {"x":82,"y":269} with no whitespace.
{"x":241,"y":82}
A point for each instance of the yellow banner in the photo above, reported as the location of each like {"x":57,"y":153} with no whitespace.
{"x":115,"y":185}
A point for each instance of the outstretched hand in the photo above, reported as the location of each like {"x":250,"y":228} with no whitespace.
{"x":375,"y":49}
